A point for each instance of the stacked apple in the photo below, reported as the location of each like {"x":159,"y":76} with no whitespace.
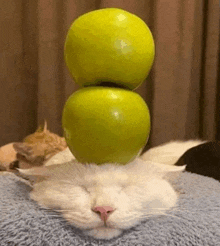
{"x":109,"y":53}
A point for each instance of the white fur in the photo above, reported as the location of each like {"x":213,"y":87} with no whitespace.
{"x":60,"y":158}
{"x":136,"y":191}
{"x":170,"y":152}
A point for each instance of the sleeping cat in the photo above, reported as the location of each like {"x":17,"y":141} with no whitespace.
{"x":105,"y":200}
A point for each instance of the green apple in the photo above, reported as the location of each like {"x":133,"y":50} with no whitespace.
{"x":105,"y":125}
{"x":109,"y":45}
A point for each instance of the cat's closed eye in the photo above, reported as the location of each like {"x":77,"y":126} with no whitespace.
{"x":85,"y":188}
{"x":122,"y":188}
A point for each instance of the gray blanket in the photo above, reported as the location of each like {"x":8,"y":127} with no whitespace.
{"x":195,"y":223}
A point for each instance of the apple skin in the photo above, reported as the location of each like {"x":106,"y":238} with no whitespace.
{"x":105,"y":125}
{"x":109,"y":45}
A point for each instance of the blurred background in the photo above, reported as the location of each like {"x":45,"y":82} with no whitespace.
{"x":182,"y":90}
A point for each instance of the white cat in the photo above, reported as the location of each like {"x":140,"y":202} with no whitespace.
{"x":103,"y":200}
{"x":60,"y":158}
{"x":170,"y":152}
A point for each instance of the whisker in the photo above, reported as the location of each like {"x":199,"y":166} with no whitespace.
{"x":174,"y":216}
{"x":150,"y":216}
{"x":185,"y":209}
{"x":170,"y":210}
{"x":66,"y":220}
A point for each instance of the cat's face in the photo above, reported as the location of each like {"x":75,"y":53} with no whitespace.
{"x":134,"y":191}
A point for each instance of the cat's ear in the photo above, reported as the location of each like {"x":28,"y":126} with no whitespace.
{"x":36,"y":171}
{"x":154,"y":168}
{"x":35,"y":174}
{"x":170,"y":172}
{"x":169,"y":168}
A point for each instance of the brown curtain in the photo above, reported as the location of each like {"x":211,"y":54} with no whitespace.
{"x":182,"y":89}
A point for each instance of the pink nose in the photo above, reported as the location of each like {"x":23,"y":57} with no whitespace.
{"x":104,"y":211}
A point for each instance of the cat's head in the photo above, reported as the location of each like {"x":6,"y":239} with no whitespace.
{"x":104,"y":200}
